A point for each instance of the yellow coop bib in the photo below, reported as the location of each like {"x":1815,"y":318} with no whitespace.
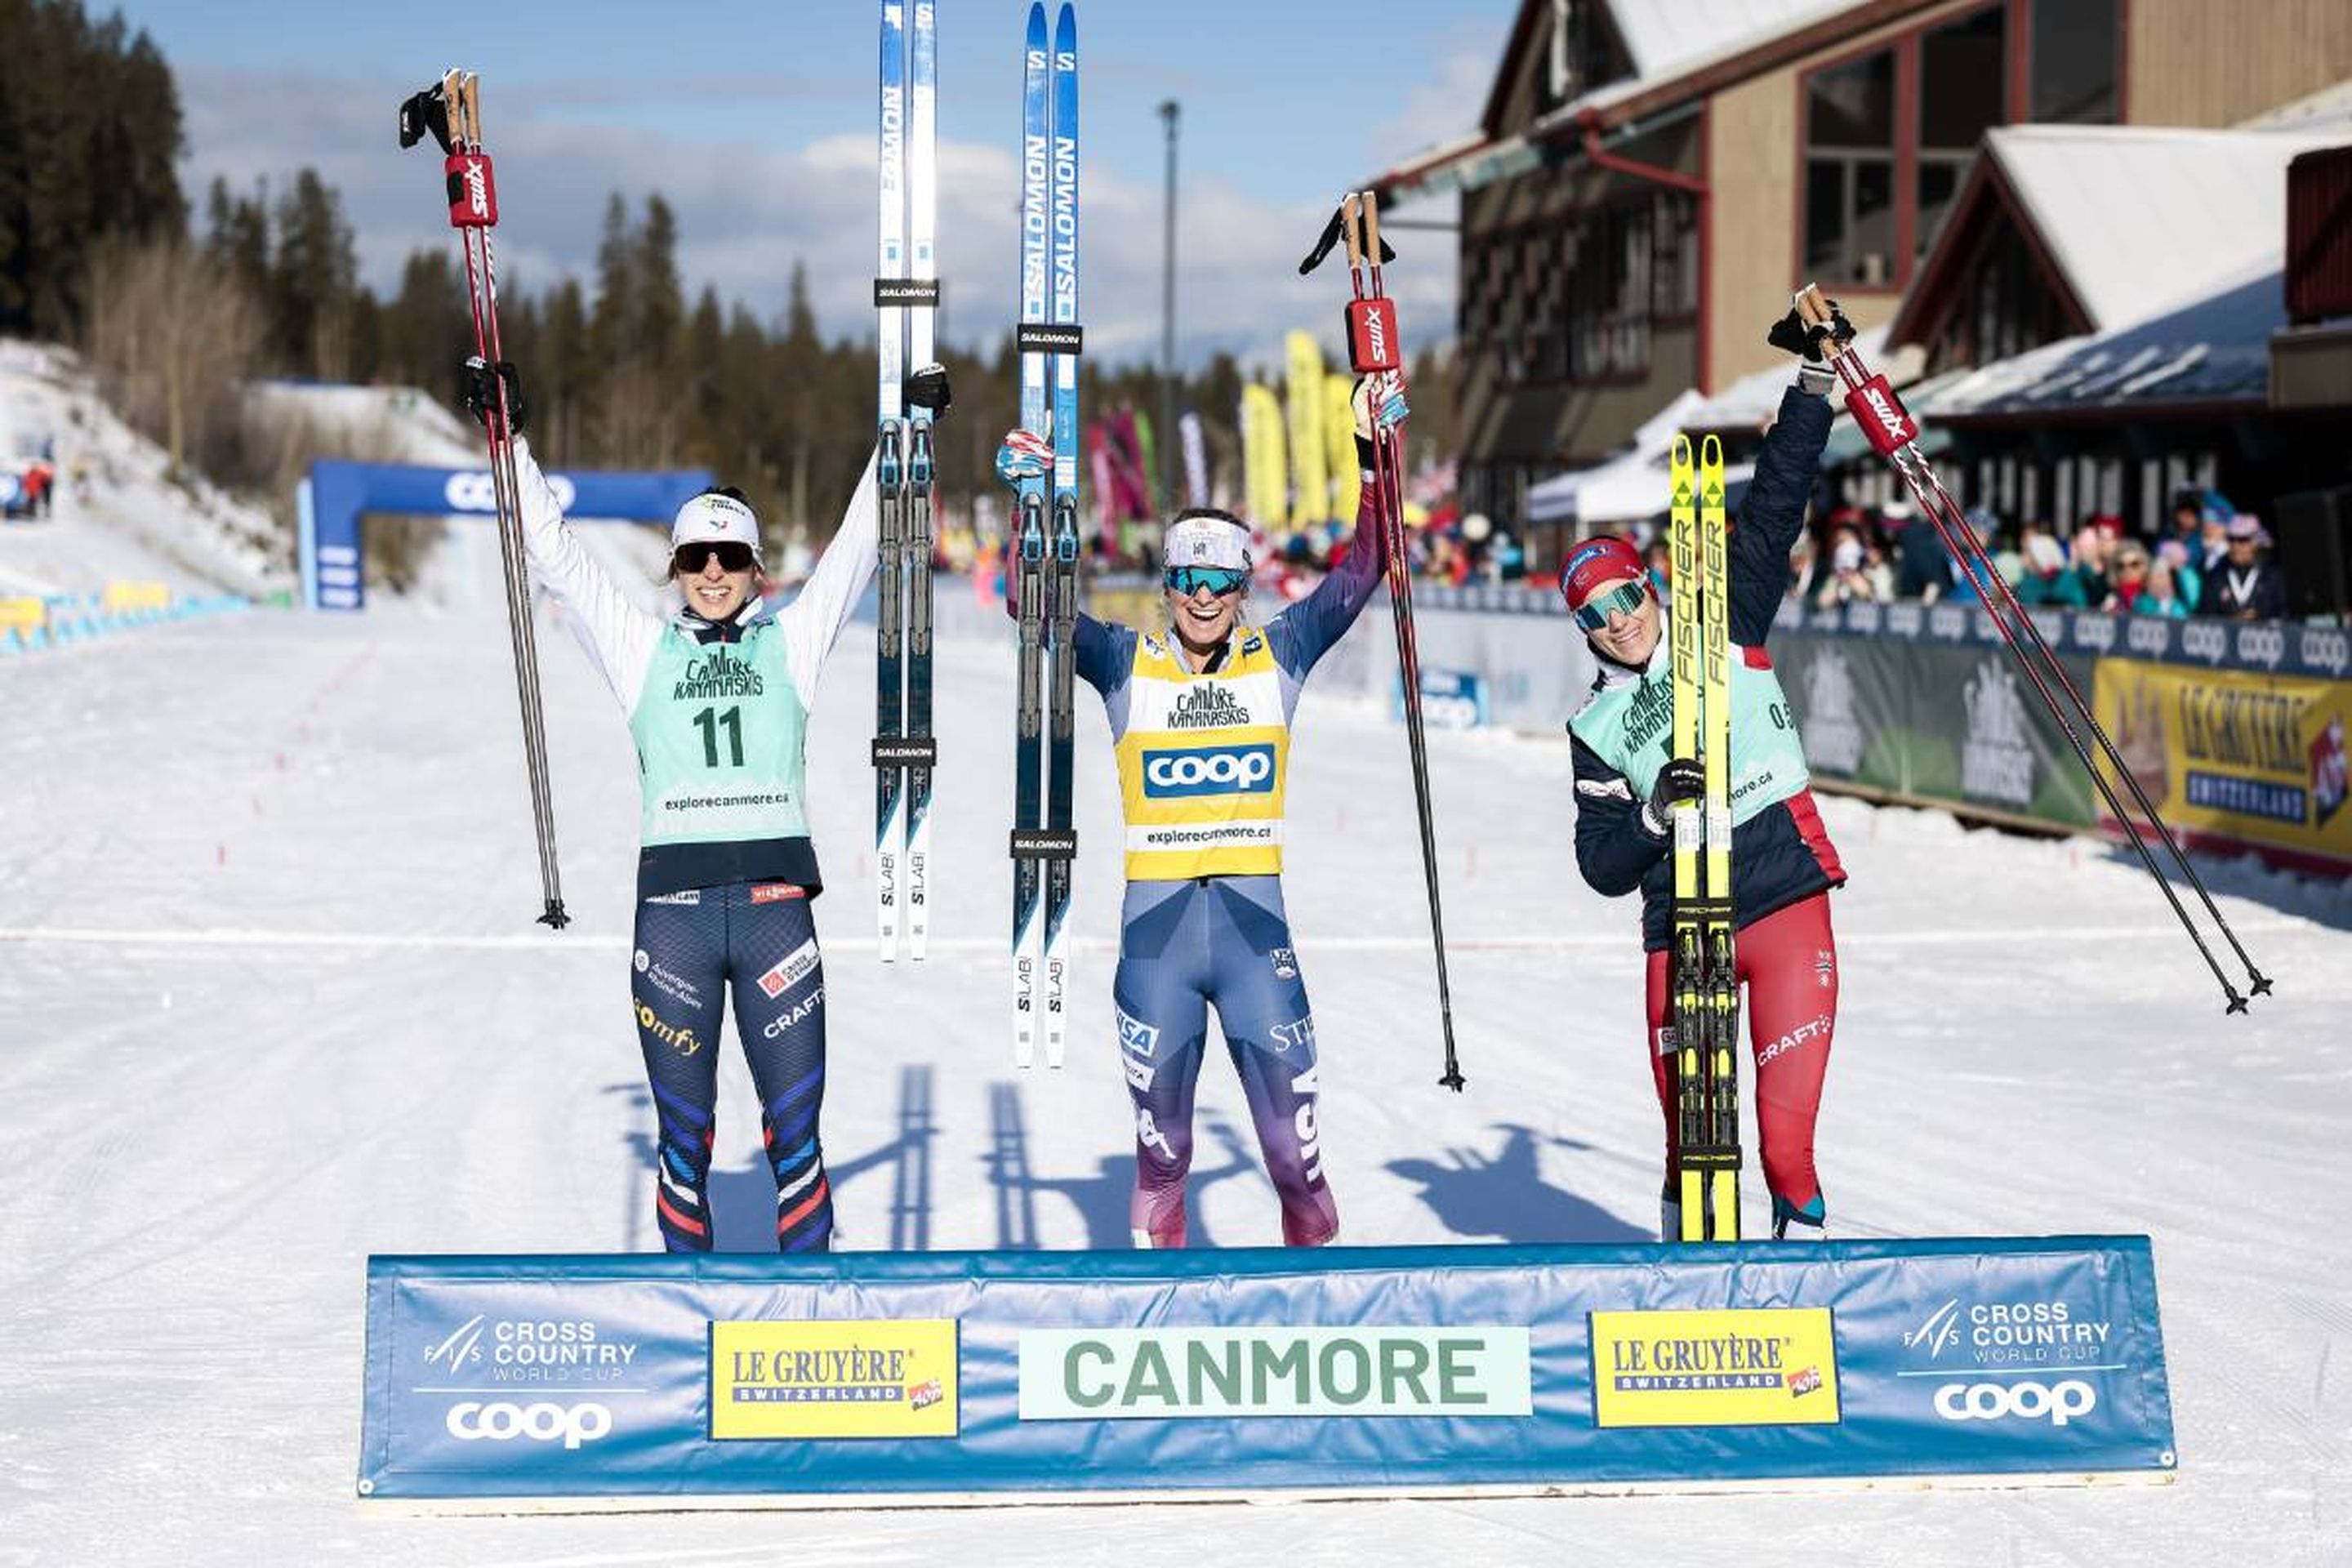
{"x":1202,"y":766}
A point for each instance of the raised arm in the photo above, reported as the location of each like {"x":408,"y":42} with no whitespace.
{"x":812,"y":622}
{"x":617,"y":634}
{"x":1306,"y":631}
{"x":1774,"y":512}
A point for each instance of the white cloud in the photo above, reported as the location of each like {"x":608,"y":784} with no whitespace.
{"x":746,"y":212}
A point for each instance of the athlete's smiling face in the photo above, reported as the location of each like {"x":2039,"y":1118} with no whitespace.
{"x":1203,"y":618}
{"x":1630,"y":634}
{"x":716,"y":578}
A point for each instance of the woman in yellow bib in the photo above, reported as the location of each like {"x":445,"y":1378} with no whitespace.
{"x":1202,"y":718}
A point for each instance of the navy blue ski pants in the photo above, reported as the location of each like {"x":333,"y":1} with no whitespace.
{"x":760,"y":939}
{"x":1184,"y":947}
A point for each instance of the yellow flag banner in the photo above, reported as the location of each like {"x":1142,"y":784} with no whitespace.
{"x":1266,"y":457}
{"x":1311,"y":490}
{"x":2237,"y":758}
{"x":1339,"y":441}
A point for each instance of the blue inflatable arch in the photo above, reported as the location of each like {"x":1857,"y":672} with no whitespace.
{"x":334,"y":499}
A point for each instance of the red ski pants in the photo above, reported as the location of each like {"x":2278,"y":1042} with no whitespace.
{"x":1787,"y":962}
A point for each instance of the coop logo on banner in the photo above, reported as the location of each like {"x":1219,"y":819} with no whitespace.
{"x":1753,"y":1366}
{"x":2005,"y":1361}
{"x":476,"y":492}
{"x":845,"y":1378}
{"x":1114,"y":1375}
{"x":1450,"y":698}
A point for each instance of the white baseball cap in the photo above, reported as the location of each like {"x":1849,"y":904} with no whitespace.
{"x":716,"y":518}
{"x":1206,"y":539}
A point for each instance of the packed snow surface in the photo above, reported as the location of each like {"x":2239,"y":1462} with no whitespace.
{"x":273,"y":1002}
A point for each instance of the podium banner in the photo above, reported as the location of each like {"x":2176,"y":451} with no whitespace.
{"x":1430,"y":1369}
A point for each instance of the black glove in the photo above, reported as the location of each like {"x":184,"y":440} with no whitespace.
{"x":928,"y":388}
{"x":1795,"y":335}
{"x":481,"y":394}
{"x":1685,"y":778}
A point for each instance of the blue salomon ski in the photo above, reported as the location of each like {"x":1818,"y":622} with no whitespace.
{"x":1062,"y":574}
{"x":889,"y":475}
{"x":1028,"y":553}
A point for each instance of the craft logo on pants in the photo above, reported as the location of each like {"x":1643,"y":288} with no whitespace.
{"x":1754,"y":1366}
{"x":847,"y":1378}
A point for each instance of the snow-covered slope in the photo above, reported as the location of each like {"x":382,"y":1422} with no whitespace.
{"x":272,"y":1001}
{"x":117,"y":515}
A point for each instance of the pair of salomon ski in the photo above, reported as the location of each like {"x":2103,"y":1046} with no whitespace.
{"x":1043,"y":557}
{"x":905,"y":300}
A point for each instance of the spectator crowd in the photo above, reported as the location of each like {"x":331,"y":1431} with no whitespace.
{"x":2212,"y":560}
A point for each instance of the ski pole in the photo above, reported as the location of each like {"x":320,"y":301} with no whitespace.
{"x":451,"y":112}
{"x":1372,"y":345}
{"x":1891,"y":429}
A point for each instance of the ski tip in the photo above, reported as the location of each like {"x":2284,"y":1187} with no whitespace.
{"x":1710,"y":450}
{"x":1037,"y":21}
{"x":1682,"y":451}
{"x":1066,"y":29}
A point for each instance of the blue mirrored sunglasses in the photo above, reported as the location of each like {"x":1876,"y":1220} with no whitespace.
{"x":1623,"y":600}
{"x":1219,"y":580}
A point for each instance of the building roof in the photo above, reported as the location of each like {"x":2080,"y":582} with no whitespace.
{"x":2131,"y":221}
{"x":2212,"y":349}
{"x":2143,"y":218}
{"x":1681,"y":51}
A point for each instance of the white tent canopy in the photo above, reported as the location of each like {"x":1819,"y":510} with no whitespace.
{"x":1567,"y":497}
{"x":1631,"y":486}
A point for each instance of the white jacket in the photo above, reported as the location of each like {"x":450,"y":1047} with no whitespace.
{"x":621,"y":638}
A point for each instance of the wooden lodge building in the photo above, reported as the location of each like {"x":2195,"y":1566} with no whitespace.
{"x":1649,"y":180}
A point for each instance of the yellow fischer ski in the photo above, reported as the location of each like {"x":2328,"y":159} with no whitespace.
{"x":1706,"y":996}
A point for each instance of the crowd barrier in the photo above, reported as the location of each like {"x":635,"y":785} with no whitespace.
{"x":665,"y":1380}
{"x":31,"y":624}
{"x":2235,"y":730}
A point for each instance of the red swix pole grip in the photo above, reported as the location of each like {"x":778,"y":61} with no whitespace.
{"x":1883,"y":419}
{"x":473,"y":194}
{"x":1372,"y":335}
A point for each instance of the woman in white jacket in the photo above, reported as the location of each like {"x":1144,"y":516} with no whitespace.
{"x":717,"y":697}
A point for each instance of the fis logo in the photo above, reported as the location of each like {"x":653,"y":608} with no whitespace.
{"x":1939,"y":1331}
{"x":1222,"y":770}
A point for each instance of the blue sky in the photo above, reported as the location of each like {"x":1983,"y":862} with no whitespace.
{"x":756,"y":122}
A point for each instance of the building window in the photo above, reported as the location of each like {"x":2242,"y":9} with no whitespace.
{"x":1673,"y":260}
{"x":1605,"y":280}
{"x":2073,"y":65}
{"x":1850,"y":172}
{"x":1581,"y":57}
{"x":1962,"y":74}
